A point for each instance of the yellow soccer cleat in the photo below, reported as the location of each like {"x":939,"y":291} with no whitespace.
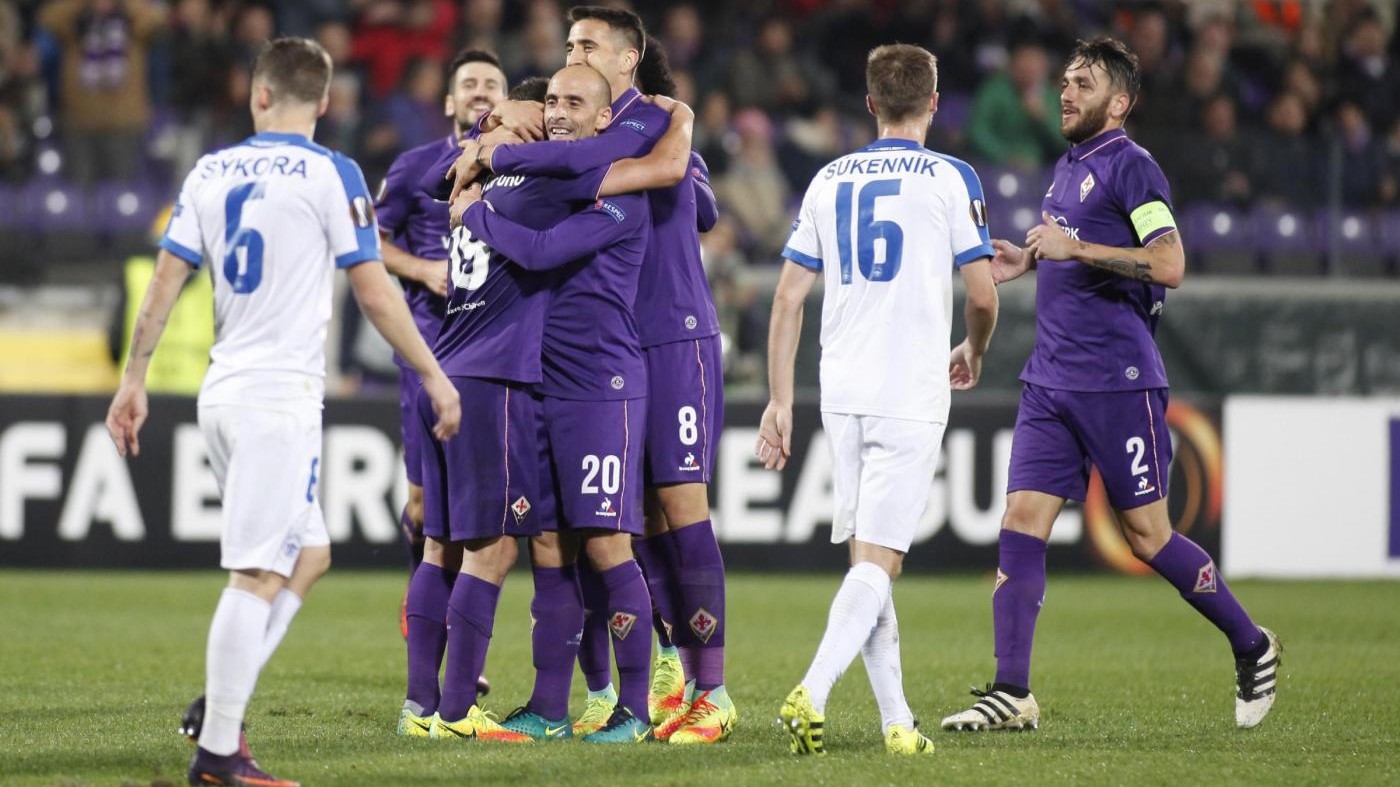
{"x":667,"y":692}
{"x":411,"y":726}
{"x":476,"y":725}
{"x":596,"y":712}
{"x":803,"y":723}
{"x":710,"y":720}
{"x":907,"y":740}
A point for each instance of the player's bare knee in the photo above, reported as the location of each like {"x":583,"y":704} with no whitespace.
{"x":684,"y":504}
{"x":263,"y":584}
{"x":434,"y":552}
{"x":551,"y":550}
{"x":608,"y":550}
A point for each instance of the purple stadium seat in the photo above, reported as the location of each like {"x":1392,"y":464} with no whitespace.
{"x":62,"y":215}
{"x":1352,"y":240}
{"x":1220,"y":239}
{"x":1289,"y":240}
{"x":1388,"y":232}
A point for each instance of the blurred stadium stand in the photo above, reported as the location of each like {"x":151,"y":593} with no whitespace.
{"x":1300,"y":179}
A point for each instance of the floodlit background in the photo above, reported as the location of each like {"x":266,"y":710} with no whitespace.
{"x":1277,"y":123}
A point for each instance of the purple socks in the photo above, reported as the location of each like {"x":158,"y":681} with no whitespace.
{"x":1016,"y":601}
{"x":628,"y":613}
{"x":428,"y":592}
{"x":471,"y":614}
{"x":702,"y":610}
{"x":557,"y":610}
{"x":594,"y":658}
{"x":1192,"y":572}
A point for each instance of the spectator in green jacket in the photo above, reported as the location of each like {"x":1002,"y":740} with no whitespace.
{"x":1015,"y":118}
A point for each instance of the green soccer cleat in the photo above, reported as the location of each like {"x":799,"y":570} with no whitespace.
{"x":413,"y":726}
{"x":667,"y":686}
{"x":622,"y":727}
{"x":907,"y":740}
{"x":527,"y":722}
{"x":596,"y":712}
{"x":477,"y":725}
{"x":803,"y":723}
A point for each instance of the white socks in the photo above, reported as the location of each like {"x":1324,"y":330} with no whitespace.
{"x":881,"y":654}
{"x":854,"y":614}
{"x":232,"y":663}
{"x":284,"y":608}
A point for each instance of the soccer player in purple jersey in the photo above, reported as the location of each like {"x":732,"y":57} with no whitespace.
{"x":680,"y":332}
{"x":431,"y":586}
{"x":414,"y":234}
{"x":1095,"y":388}
{"x":594,"y":407}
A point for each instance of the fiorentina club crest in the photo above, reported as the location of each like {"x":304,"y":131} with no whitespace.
{"x":1001,"y":580}
{"x":621,"y":624}
{"x":703,"y":624}
{"x":1205,"y":579}
{"x":1086,"y":187}
{"x":520,"y":508}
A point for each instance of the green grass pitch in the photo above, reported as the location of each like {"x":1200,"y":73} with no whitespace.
{"x":1135,"y":688}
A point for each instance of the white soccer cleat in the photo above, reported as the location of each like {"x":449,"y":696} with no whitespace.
{"x":1256,"y":680}
{"x":996,"y":710}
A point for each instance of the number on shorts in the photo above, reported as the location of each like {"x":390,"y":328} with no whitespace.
{"x":311,"y":482}
{"x":1137,"y":447}
{"x":607,"y":470}
{"x":689,"y":429}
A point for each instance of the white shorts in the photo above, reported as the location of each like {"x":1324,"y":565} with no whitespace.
{"x":882,"y":469}
{"x":266,"y":462}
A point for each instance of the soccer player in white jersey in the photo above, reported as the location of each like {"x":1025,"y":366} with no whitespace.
{"x":886,"y":226}
{"x":275,"y":216}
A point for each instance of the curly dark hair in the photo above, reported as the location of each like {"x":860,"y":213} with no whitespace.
{"x":654,"y":72}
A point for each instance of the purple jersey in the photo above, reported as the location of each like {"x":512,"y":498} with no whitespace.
{"x":590,"y":349}
{"x":418,"y":224}
{"x":674,"y":301}
{"x":495,"y":316}
{"x":1094,"y":329}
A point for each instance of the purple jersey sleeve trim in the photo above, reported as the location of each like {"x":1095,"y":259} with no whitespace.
{"x":973,"y":254}
{"x":805,"y":260}
{"x":1155,"y":234}
{"x":185,"y":253}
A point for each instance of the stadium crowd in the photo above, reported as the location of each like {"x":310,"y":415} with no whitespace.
{"x":1258,"y":105}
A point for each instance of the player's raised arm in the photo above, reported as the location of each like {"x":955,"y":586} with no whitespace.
{"x":581,"y":234}
{"x":666,"y":164}
{"x":129,"y":407}
{"x":1162,"y":261}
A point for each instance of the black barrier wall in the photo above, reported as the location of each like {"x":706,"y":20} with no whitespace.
{"x":68,"y":500}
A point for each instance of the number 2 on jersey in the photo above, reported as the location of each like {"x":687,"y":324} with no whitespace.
{"x":243,"y":262}
{"x":868,"y":230}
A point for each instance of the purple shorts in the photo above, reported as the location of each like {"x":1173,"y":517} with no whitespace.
{"x":593,"y":463}
{"x":685,"y":410}
{"x":484,"y":481}
{"x":1059,"y":434}
{"x":415,"y":436}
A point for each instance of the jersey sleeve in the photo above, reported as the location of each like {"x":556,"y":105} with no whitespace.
{"x":629,"y":139}
{"x":706,"y":206}
{"x":967,"y":219}
{"x":590,"y":230}
{"x":394,"y":202}
{"x":182,"y":237}
{"x":1145,"y":198}
{"x":804,"y":246}
{"x":433,"y":181}
{"x":349,"y":216}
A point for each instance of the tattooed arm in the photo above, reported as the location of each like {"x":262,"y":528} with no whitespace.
{"x":129,"y":407}
{"x":1163,"y":261}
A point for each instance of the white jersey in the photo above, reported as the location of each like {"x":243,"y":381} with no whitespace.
{"x":275,"y":215}
{"x":888,"y":224}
